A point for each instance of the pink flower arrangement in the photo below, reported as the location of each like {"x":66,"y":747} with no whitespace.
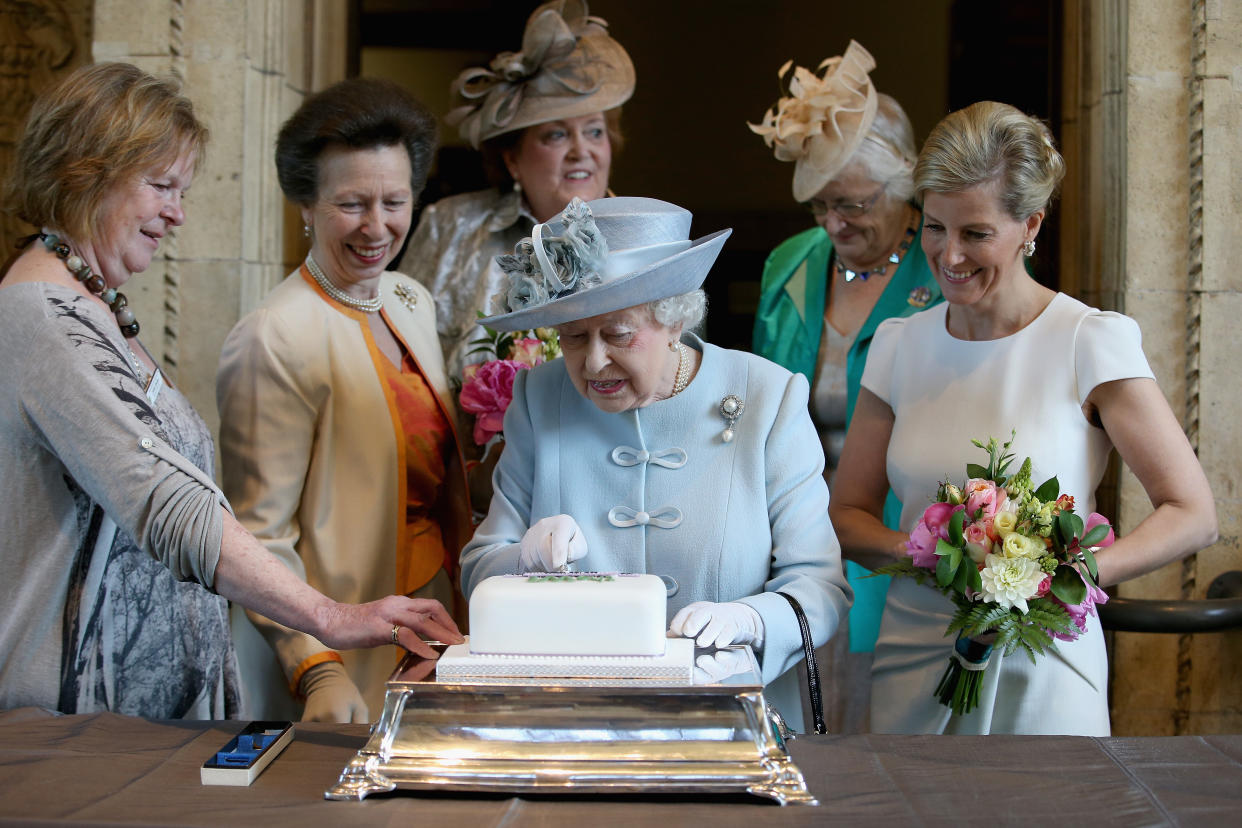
{"x":487,"y":392}
{"x":1015,"y":560}
{"x":487,"y":387}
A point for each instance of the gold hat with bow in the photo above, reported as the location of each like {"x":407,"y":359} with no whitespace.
{"x":568,"y":67}
{"x":826,"y":115}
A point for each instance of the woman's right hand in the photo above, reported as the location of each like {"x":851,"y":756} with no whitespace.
{"x":351,"y":626}
{"x":552,"y":544}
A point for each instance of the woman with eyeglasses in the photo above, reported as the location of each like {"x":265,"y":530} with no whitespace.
{"x":827,"y":289}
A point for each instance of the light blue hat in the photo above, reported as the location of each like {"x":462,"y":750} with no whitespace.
{"x":598,"y":257}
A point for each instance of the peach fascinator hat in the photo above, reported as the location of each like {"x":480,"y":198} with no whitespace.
{"x":823,"y":119}
{"x":568,"y":67}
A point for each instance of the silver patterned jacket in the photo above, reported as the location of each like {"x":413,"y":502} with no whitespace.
{"x":453,"y":254}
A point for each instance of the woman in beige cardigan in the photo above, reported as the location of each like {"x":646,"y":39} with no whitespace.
{"x":337,"y":429}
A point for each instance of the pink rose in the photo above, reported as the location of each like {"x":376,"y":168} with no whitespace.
{"x":922,"y":546}
{"x":978,"y":544}
{"x":933,"y":526}
{"x":1044,"y":586}
{"x":1095,"y":519}
{"x":937,"y":517}
{"x":528,"y":351}
{"x":982,"y":495}
{"x":487,"y":392}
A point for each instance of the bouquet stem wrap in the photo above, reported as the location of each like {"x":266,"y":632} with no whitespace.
{"x":959,"y":686}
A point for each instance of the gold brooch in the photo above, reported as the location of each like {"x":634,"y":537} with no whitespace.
{"x":408,"y":297}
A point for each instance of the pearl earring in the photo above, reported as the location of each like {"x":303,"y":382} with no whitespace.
{"x":1028,"y":248}
{"x":306,"y":230}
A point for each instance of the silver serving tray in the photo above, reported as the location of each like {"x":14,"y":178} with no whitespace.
{"x":574,"y":736}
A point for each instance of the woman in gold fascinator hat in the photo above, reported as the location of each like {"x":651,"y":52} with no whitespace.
{"x":827,"y":289}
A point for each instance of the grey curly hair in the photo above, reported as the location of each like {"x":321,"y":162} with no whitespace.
{"x":686,"y":309}
{"x":887,"y":154}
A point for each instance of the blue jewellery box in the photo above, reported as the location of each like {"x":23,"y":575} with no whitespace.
{"x":246,"y":755}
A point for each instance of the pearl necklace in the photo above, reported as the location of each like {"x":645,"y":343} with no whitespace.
{"x":364,"y":305}
{"x":683,"y":371}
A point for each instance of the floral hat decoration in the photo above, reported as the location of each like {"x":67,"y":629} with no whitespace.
{"x":568,"y":67}
{"x":826,"y":115}
{"x":601,"y":256}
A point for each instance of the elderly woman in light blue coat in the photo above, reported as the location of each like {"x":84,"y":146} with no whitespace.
{"x":648,"y":450}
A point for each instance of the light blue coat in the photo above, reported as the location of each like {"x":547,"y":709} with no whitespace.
{"x":732,"y":521}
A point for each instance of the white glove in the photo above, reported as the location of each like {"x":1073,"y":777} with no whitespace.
{"x":331,"y":696}
{"x":552,"y":544}
{"x":713,"y":667}
{"x":718,"y":625}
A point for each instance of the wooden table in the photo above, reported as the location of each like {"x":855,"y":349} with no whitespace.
{"x":109,"y":769}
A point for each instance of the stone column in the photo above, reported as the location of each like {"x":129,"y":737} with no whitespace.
{"x":1154,"y":135}
{"x":246,"y":64}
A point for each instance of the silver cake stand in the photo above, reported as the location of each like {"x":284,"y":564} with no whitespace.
{"x":574,"y":736}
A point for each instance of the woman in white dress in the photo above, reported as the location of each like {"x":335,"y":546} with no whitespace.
{"x":1004,"y":353}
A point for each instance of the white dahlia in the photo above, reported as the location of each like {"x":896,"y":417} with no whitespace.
{"x":1010,"y":581}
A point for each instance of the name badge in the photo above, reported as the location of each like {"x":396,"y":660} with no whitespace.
{"x":155,"y":385}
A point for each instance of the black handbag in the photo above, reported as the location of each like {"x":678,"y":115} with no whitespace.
{"x":812,"y":669}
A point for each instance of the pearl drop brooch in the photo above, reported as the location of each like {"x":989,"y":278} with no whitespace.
{"x":731,"y":408}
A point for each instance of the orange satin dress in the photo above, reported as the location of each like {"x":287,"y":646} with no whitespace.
{"x":426,"y":448}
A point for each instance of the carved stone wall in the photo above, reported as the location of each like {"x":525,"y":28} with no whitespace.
{"x":40,"y":40}
{"x":1154,"y":143}
{"x":1151,"y":211}
{"x":246,"y":64}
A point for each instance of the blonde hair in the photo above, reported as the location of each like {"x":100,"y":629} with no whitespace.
{"x":990,"y":141}
{"x":101,"y":126}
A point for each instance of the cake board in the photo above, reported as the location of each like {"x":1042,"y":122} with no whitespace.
{"x":574,"y":736}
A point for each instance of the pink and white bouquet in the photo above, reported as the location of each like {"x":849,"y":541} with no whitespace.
{"x":1015,"y":560}
{"x":487,"y":387}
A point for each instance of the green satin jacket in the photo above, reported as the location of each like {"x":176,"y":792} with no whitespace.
{"x":788,"y":327}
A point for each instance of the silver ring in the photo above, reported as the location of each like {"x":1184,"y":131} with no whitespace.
{"x":395,"y":629}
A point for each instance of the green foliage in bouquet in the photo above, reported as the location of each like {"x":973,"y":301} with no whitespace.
{"x":1014,"y":559}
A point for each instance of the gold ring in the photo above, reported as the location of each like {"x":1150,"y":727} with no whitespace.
{"x":395,"y":629}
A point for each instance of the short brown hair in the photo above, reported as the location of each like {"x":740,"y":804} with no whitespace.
{"x":101,"y":125}
{"x":360,"y":113}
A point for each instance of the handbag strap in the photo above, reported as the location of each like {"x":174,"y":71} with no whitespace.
{"x":812,"y":669}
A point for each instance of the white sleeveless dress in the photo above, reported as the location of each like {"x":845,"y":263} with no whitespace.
{"x":944,"y":392}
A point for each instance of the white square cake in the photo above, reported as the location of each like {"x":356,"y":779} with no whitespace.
{"x":570,"y":625}
{"x":575,"y":613}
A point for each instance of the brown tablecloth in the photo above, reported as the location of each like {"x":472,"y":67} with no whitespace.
{"x":109,"y":770}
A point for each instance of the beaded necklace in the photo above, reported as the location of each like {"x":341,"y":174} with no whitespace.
{"x":115,"y":300}
{"x":893,"y":258}
{"x":92,"y":281}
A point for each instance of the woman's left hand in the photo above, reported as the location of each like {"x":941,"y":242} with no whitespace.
{"x":350,"y":626}
{"x":718,"y":625}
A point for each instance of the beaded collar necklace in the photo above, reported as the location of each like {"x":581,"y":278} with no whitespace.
{"x":893,"y":258}
{"x":365,"y":305}
{"x":92,"y":281}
